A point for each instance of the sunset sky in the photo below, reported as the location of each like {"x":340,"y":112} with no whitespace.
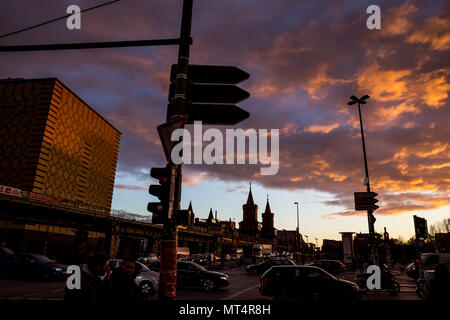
{"x":305,"y":58}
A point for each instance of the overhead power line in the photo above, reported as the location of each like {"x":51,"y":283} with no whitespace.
{"x":53,"y":20}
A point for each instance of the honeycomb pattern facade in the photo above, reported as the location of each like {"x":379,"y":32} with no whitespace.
{"x":53,"y":143}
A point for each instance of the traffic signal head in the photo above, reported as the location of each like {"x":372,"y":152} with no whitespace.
{"x":162,"y":211}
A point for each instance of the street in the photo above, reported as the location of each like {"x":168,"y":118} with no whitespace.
{"x":242,"y":286}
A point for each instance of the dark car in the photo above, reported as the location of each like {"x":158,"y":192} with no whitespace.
{"x":306,"y":283}
{"x":334,"y":267}
{"x":5,"y":254}
{"x":262,"y":267}
{"x":190,"y":275}
{"x":153,"y":265}
{"x":198,"y":258}
{"x":412,"y":271}
{"x":33,"y":266}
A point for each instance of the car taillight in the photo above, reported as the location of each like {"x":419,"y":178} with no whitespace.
{"x":264,"y":281}
{"x":342,"y":266}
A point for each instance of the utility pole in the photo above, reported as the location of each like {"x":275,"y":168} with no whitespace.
{"x":168,"y":244}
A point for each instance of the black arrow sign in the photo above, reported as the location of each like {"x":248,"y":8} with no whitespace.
{"x":216,"y":114}
{"x":212,"y":74}
{"x":220,"y":114}
{"x":213,"y":93}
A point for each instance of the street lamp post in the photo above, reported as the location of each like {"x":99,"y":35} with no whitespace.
{"x":370,"y":217}
{"x":297,"y":237}
{"x":316,"y":241}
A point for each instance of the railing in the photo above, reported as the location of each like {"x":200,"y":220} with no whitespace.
{"x":131,"y":216}
{"x":15,"y":193}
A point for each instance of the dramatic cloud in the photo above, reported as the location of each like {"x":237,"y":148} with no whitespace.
{"x":305,"y":59}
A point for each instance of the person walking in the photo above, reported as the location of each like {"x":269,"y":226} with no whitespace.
{"x":94,"y":281}
{"x":123,"y":285}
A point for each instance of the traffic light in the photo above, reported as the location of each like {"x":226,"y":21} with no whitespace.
{"x":386,"y":236}
{"x":162,"y":211}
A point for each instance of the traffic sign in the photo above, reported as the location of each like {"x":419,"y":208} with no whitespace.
{"x":365,"y":201}
{"x":165,"y":133}
{"x":217,"y":114}
{"x":212,"y":74}
{"x":211,"y":94}
{"x":366,"y":207}
{"x":365,"y":195}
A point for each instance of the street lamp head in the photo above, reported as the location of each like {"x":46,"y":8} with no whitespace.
{"x":365,"y":97}
{"x":361,"y":100}
{"x":295,"y":202}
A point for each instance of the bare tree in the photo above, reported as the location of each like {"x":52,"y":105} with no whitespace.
{"x":440,"y":227}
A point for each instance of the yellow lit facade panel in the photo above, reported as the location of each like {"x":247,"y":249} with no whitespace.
{"x":53,"y":143}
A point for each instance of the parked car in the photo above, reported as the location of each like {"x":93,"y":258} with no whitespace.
{"x":198,"y":258}
{"x":154,"y":265}
{"x":211,"y":258}
{"x":334,"y":267}
{"x":147,"y":280}
{"x":429,"y":261}
{"x":147,"y":260}
{"x":306,"y":283}
{"x":262,"y":267}
{"x":32,"y":266}
{"x":5,"y":253}
{"x":191,"y":274}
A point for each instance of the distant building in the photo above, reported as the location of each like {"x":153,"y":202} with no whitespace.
{"x":53,"y":143}
{"x":332,"y":249}
{"x":288,"y":239}
{"x":267,"y":230}
{"x":185,"y":217}
{"x":249,"y":223}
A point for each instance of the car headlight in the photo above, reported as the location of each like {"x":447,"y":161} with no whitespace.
{"x":58,"y":269}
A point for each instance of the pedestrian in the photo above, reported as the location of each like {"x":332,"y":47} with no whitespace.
{"x":94,"y":281}
{"x":124,"y":288}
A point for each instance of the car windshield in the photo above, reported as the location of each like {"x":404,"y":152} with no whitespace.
{"x":197,"y":266}
{"x":41,"y":259}
{"x":143,"y":267}
{"x":7,"y":251}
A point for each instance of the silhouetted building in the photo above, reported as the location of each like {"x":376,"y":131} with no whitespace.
{"x":52,"y":143}
{"x":249,"y":223}
{"x":289,"y":239}
{"x":186,"y":217}
{"x":268,"y":231}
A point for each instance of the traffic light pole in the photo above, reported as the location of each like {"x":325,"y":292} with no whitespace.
{"x":168,"y":244}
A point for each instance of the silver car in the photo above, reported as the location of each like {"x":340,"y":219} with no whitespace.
{"x":147,"y":280}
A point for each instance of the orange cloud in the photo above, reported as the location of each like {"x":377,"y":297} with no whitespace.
{"x":435,"y":32}
{"x":322,"y":128}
